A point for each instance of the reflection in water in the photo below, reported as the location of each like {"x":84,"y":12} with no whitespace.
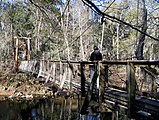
{"x":44,"y":109}
{"x":90,"y":117}
{"x":40,"y":109}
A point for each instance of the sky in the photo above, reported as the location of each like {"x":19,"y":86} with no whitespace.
{"x":117,"y":1}
{"x":12,"y":0}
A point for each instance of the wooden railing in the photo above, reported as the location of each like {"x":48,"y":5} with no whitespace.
{"x":129,"y":80}
{"x":130,"y":75}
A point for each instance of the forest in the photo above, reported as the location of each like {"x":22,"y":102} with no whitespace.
{"x":68,"y":29}
{"x":46,"y":47}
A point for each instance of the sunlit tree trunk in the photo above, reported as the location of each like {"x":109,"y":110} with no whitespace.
{"x":117,"y":41}
{"x":101,"y":44}
{"x":81,"y":39}
{"x":117,"y":38}
{"x":65,"y":30}
{"x":137,"y":21}
{"x":38,"y":24}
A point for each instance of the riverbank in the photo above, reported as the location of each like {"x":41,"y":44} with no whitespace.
{"x":23,"y":86}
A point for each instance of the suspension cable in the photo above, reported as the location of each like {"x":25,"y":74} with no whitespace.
{"x":89,"y":3}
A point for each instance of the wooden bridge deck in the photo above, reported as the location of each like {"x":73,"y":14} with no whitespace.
{"x":74,"y":76}
{"x":119,"y":99}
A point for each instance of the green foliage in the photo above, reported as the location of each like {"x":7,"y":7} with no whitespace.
{"x":41,"y":20}
{"x":20,"y":17}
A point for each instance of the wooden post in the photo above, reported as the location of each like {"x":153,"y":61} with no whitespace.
{"x":61,"y":71}
{"x":54,"y":72}
{"x":49,"y":73}
{"x":95,"y":80}
{"x":63,"y":78}
{"x":40,"y":69}
{"x":70,"y":78}
{"x":82,"y":80}
{"x":131,"y":85}
{"x":98,"y":72}
{"x":103,"y":81}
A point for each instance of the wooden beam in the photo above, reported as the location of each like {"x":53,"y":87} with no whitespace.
{"x":103,"y":81}
{"x":131,"y":85}
{"x":83,"y":79}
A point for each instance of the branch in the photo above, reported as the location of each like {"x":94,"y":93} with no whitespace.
{"x":112,"y":17}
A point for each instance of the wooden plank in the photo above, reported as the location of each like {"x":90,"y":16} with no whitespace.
{"x":70,"y":78}
{"x":54,"y":71}
{"x":63,"y":79}
{"x":41,"y":69}
{"x":148,"y":105}
{"x":116,"y":96}
{"x":141,"y":103}
{"x":49,"y":74}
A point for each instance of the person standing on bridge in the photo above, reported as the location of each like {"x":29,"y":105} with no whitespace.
{"x":96,"y":55}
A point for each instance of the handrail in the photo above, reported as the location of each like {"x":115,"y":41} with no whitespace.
{"x":64,"y":71}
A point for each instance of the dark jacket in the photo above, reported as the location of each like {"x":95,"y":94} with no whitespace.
{"x":96,"y":55}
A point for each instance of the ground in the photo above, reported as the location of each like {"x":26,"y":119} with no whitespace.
{"x":14,"y":85}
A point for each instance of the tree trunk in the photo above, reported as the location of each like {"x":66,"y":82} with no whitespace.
{"x":81,"y":38}
{"x":37,"y":31}
{"x":64,"y":27}
{"x":101,"y":44}
{"x":117,"y":41}
{"x":139,"y":50}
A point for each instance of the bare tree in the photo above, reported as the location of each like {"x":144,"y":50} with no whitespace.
{"x":139,"y":50}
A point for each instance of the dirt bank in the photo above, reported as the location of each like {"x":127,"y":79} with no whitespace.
{"x":22,"y":86}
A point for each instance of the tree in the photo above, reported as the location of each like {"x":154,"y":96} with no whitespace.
{"x":139,"y":50}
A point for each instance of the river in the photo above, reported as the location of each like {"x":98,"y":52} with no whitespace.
{"x":43,"y":109}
